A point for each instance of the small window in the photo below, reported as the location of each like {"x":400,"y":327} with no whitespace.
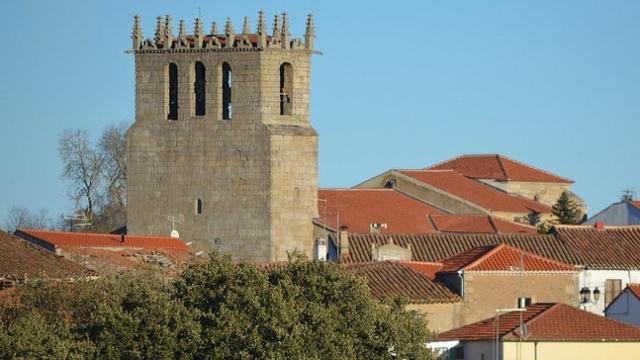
{"x":173,"y":92}
{"x":198,"y":206}
{"x":227,"y":82}
{"x":612,"y":288}
{"x":199,"y":88}
{"x":390,"y":184}
{"x":286,"y":88}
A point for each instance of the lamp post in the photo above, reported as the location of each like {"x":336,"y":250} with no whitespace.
{"x":585,"y":296}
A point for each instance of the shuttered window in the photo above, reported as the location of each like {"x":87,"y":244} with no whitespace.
{"x":612,"y":288}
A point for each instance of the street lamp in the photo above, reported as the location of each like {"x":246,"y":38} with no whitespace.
{"x":585,"y":296}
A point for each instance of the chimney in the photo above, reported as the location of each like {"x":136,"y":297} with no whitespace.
{"x":599,"y":225}
{"x":343,"y":240}
{"x":121,"y":238}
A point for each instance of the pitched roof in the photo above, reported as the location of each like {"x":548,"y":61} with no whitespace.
{"x":547,"y":322}
{"x":19,"y":258}
{"x":475,"y":192}
{"x":497,"y":167}
{"x":634,"y":288}
{"x":501,"y":258}
{"x":71,"y":240}
{"x":430,"y":269}
{"x":358,"y":208}
{"x":390,"y":279}
{"x":434,"y":247}
{"x":478,"y":224}
{"x":613,"y":247}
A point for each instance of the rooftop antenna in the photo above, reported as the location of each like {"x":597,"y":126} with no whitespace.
{"x":628,"y":195}
{"x":199,"y":12}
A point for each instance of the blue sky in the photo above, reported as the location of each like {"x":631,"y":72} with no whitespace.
{"x":401,"y":84}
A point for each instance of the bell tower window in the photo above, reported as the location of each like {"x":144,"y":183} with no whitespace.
{"x":227,"y":81}
{"x":286,"y":93}
{"x":199,"y":88}
{"x":173,"y":92}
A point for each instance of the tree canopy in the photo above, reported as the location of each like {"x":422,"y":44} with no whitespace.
{"x":566,"y":209}
{"x":213,"y":310}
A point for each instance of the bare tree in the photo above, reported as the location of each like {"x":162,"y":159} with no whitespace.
{"x":112,"y":147}
{"x":97,"y":175}
{"x":21,"y":217}
{"x":82,"y":167}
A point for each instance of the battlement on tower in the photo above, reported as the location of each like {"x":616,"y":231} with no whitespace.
{"x":164,"y":39}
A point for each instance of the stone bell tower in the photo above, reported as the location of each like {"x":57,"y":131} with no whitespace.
{"x":222,"y":148}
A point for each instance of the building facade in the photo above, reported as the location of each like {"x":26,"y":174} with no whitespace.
{"x":222,"y":149}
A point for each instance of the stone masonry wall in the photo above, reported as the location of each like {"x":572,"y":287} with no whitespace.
{"x":486,"y":292}
{"x":256,"y":174}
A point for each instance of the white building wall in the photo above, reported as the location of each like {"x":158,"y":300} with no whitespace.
{"x":597,"y":278}
{"x":626,"y":308}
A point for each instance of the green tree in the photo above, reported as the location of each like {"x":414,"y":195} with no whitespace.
{"x":533,"y":217}
{"x":215,"y":310}
{"x":127,"y":316}
{"x":298,"y":310}
{"x":566,"y":209}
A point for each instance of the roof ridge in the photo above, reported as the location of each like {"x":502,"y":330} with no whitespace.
{"x":482,"y":257}
{"x":534,"y":318}
{"x":537,"y":168}
{"x":464,"y":155}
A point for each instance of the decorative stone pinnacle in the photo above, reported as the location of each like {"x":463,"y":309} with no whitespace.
{"x":245,"y":26}
{"x":229,"y":32}
{"x":276,"y":27}
{"x":285,"y":34}
{"x":214,"y":28}
{"x":159,"y":35}
{"x":262,"y":30}
{"x":182,"y":30}
{"x":136,"y":35}
{"x":168,"y":31}
{"x":198,"y":34}
{"x":309,"y":33}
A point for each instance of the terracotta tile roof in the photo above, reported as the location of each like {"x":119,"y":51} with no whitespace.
{"x":547,"y":322}
{"x":358,"y":208}
{"x":501,"y":258}
{"x":478,"y":224}
{"x":427,"y":268}
{"x":497,"y":167}
{"x":634,"y":289}
{"x":476,"y":192}
{"x":613,"y":247}
{"x":636,"y":203}
{"x":434,"y":247}
{"x":70,"y":240}
{"x":389,"y":279}
{"x":19,"y":258}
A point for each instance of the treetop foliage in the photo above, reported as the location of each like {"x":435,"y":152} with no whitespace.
{"x":214,"y":310}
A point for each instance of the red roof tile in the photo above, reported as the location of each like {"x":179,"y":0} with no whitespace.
{"x":390,"y":279}
{"x":634,"y":289}
{"x":497,"y":167}
{"x":636,"y":203}
{"x":21,"y":259}
{"x":434,"y":247}
{"x":427,"y":268}
{"x":478,"y":224}
{"x":614,"y":247}
{"x":502,"y":258}
{"x":71,"y":240}
{"x":546,"y":322}
{"x":476,"y":192}
{"x":358,"y":208}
